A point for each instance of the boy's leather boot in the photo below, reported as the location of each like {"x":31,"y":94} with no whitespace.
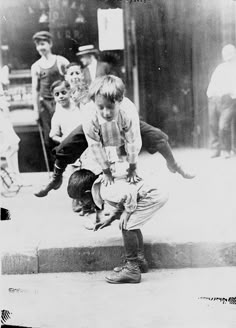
{"x":54,"y":184}
{"x":139,"y":254}
{"x":129,"y":273}
{"x":142,"y":264}
{"x":172,"y":165}
{"x":175,"y":167}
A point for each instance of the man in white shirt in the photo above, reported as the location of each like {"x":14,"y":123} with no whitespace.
{"x":221,"y":95}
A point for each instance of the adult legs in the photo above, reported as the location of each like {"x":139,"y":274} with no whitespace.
{"x":225,"y":120}
{"x":214,"y":115}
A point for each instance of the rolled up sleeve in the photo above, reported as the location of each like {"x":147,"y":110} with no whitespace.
{"x":132,"y":135}
{"x":93,"y":138}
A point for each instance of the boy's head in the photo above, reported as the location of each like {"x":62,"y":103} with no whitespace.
{"x":74,"y":74}
{"x":79,"y":93}
{"x":43,"y":42}
{"x":107,"y":92}
{"x":79,"y":186}
{"x":61,"y":93}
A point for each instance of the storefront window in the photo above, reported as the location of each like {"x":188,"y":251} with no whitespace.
{"x":72,"y":23}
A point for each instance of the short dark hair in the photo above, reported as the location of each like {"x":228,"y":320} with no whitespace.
{"x":79,"y":182}
{"x":58,"y":83}
{"x":73,"y":64}
{"x":108,"y":86}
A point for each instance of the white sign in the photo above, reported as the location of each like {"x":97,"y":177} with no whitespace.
{"x":110,"y":29}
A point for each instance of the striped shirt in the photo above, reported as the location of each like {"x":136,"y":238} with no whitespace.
{"x":123,"y":130}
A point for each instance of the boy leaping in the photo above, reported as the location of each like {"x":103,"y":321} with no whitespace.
{"x":113,"y":122}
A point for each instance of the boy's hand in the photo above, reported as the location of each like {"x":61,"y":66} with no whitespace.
{"x":124,"y":220}
{"x":132,"y":176}
{"x":107,"y":177}
{"x":101,"y":225}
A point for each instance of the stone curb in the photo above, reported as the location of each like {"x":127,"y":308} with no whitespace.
{"x":82,"y":259}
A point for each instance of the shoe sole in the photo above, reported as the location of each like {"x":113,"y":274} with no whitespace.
{"x":45,"y":194}
{"x":121,"y":282}
{"x":41,"y":195}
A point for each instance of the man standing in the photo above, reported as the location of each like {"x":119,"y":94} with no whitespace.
{"x":46,"y":70}
{"x":92,"y":67}
{"x":221,"y":95}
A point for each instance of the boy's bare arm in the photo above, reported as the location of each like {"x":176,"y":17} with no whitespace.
{"x":35,"y":92}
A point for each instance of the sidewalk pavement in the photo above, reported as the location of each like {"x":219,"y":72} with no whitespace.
{"x":196,"y":228}
{"x":172,"y":298}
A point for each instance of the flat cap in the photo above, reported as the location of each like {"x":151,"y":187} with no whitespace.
{"x":42,"y":35}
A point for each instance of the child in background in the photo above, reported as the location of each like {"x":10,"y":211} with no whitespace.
{"x":67,"y":115}
{"x":74,"y":75}
{"x":134,"y":205}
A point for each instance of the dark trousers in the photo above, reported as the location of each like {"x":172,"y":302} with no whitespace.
{"x":71,"y":148}
{"x":133,"y":244}
{"x":221,"y":113}
{"x":47,"y":108}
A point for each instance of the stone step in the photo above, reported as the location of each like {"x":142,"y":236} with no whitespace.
{"x":196,"y":228}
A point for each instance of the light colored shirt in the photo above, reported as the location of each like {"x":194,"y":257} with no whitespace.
{"x":119,"y":191}
{"x":124,"y":129}
{"x":65,"y":120}
{"x":140,"y":200}
{"x":93,"y":68}
{"x":8,"y":137}
{"x":223,"y":81}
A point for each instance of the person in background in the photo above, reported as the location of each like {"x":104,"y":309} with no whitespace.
{"x":9,"y":140}
{"x":92,"y":67}
{"x":221,"y":93}
{"x":74,"y":75}
{"x":4,"y":81}
{"x":9,"y":146}
{"x":46,"y":70}
{"x":67,"y":115}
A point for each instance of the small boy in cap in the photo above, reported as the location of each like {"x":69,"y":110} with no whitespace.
{"x":46,"y":70}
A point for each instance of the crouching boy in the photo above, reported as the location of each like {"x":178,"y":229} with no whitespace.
{"x":134,"y":205}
